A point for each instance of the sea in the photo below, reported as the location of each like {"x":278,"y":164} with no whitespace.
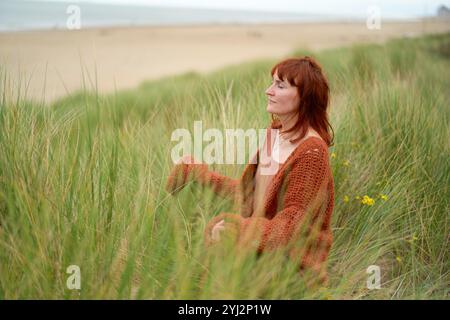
{"x":20,"y":15}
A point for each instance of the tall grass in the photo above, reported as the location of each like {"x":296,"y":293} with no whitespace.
{"x":82,"y":183}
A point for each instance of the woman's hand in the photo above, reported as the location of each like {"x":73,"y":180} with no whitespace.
{"x":178,"y":176}
{"x":187,"y":159}
{"x":227,"y":222}
{"x":215,"y":232}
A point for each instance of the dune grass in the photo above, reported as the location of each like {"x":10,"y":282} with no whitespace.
{"x":82,"y":183}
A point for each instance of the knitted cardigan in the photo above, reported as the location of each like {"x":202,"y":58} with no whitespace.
{"x":299,"y":201}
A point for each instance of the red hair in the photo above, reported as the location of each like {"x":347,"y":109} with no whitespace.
{"x":313,"y":89}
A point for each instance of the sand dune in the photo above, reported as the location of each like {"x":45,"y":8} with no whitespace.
{"x":124,"y":57}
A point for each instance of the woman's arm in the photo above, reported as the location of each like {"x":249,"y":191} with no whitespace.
{"x":188,"y":170}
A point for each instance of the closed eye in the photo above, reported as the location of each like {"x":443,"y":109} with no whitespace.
{"x":279,"y":84}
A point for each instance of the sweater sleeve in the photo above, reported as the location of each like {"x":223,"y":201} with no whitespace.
{"x":183,"y":173}
{"x":303,"y":196}
{"x":221,"y":185}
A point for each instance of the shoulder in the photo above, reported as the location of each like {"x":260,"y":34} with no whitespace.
{"x":313,"y":145}
{"x":313,"y":153}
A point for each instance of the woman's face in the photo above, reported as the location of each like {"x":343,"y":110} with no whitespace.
{"x":283,"y":98}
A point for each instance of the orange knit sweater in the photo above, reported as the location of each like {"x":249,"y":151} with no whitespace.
{"x":298,"y":205}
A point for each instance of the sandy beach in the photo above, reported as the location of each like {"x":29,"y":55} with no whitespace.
{"x":124,"y":57}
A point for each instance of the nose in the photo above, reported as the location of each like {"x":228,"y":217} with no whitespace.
{"x":269,"y":91}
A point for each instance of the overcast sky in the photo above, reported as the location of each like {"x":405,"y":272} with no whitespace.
{"x":388,"y":8}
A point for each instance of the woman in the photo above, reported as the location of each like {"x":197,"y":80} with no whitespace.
{"x":289,"y":207}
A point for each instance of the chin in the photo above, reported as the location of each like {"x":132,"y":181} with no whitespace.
{"x":270,"y":108}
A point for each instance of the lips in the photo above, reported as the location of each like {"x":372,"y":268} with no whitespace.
{"x":271,"y":101}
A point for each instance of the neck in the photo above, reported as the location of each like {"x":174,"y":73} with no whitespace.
{"x":287,"y":122}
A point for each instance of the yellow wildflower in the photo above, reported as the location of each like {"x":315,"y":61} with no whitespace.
{"x":399,"y":259}
{"x":333,"y":155}
{"x":357,"y":197}
{"x":346,"y":163}
{"x":383,"y":196}
{"x":367,"y":200}
{"x":413,"y":238}
{"x":346,"y":199}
